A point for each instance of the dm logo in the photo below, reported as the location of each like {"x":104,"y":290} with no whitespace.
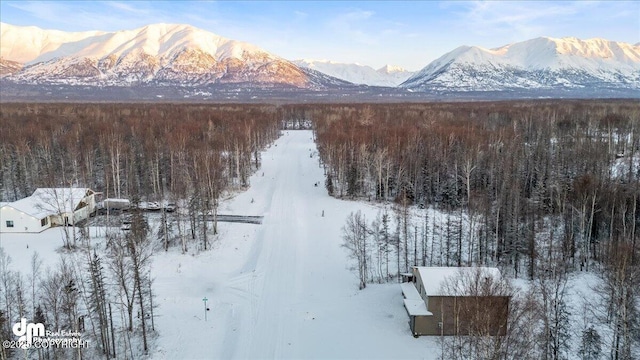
{"x":26,"y":332}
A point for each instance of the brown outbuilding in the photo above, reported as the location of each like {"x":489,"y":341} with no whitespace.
{"x":448,"y":301}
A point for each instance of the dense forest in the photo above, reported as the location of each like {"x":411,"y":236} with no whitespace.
{"x":188,"y":154}
{"x":151,"y":151}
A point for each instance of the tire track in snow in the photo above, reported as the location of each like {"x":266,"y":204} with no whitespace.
{"x":262,"y":311}
{"x":244,"y":283}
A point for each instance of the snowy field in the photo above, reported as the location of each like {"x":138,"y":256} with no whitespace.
{"x":281,"y":289}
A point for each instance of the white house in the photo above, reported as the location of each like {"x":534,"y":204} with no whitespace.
{"x":47,"y":207}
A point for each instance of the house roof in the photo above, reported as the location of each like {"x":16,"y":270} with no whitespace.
{"x":414,"y":304}
{"x":439,"y":281}
{"x":417,"y":308}
{"x":409,"y":291}
{"x":50,"y":201}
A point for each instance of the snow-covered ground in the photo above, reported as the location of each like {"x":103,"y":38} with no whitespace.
{"x":281,"y":289}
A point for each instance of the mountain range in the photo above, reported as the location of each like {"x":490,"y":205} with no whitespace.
{"x":387,"y":75}
{"x":155,"y":54}
{"x":170,"y":54}
{"x":541,"y":63}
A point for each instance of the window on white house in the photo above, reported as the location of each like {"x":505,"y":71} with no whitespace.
{"x":44,"y":222}
{"x":9,"y":223}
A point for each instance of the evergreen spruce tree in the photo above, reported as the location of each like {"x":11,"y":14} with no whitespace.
{"x":591,"y":345}
{"x":98,"y":301}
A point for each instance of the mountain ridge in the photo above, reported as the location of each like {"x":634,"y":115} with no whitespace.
{"x":180,"y":54}
{"x":539,"y":63}
{"x":157,"y":53}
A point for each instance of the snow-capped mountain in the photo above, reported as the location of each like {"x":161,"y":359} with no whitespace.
{"x":541,"y":63}
{"x":25,"y":44}
{"x":391,"y":76}
{"x":169,"y":54}
{"x":154,"y":54}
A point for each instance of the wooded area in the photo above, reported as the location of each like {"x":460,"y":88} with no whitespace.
{"x":150,"y":151}
{"x":188,"y":155}
{"x":568,"y":169}
{"x":539,"y":188}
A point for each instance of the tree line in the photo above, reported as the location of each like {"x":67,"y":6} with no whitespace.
{"x":125,"y":150}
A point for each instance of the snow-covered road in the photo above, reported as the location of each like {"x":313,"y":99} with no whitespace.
{"x":281,"y":289}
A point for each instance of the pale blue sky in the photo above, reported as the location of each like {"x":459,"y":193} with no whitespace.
{"x":409,"y":34}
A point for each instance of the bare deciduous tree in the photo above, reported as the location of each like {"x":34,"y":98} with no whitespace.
{"x":354,"y":234}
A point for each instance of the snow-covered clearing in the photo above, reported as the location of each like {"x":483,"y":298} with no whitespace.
{"x":281,"y":289}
